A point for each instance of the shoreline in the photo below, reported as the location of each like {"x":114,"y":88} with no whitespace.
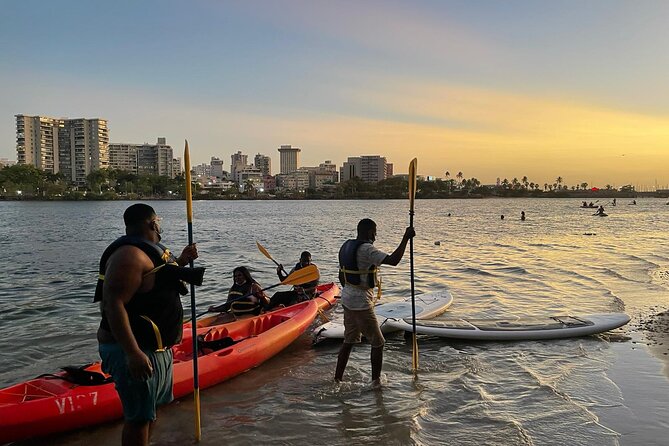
{"x":655,"y":328}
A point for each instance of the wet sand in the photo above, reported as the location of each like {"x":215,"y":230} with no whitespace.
{"x":656,"y":330}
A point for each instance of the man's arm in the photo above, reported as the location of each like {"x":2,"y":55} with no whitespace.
{"x":394,"y":258}
{"x":123,"y":278}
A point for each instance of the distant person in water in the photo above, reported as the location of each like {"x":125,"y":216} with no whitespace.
{"x":522,"y":215}
{"x":298,"y":293}
{"x":633,"y":201}
{"x":585,"y":204}
{"x":502,"y":217}
{"x":614,"y":202}
{"x":600,"y":211}
{"x":245,"y":295}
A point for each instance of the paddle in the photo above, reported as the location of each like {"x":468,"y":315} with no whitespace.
{"x":267,"y":254}
{"x":412,"y":197}
{"x":301,"y":276}
{"x":189,"y":212}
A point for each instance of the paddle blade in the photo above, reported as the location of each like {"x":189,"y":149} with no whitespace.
{"x":413,"y":165}
{"x":262,"y":249}
{"x":189,"y":195}
{"x":301,"y":276}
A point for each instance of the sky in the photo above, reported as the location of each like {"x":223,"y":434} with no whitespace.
{"x":492,"y":89}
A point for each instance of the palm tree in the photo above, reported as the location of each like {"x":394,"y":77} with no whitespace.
{"x":459,"y":176}
{"x":525,"y":181}
{"x":447,"y":174}
{"x":545,"y":186}
{"x":558,"y":181}
{"x":584,"y":186}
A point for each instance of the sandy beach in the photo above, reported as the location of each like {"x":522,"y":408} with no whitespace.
{"x":656,"y":330}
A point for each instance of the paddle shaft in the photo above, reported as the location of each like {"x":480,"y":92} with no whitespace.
{"x":412,"y":199}
{"x":189,"y":213}
{"x":269,"y":256}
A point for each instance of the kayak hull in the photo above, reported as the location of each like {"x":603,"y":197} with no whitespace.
{"x":518,"y":329}
{"x":49,"y":405}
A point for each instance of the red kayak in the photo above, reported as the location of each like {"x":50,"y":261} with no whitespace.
{"x":326,"y":297}
{"x":51,"y":404}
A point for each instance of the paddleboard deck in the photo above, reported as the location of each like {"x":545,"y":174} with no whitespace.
{"x":515,"y":329}
{"x":428,"y":305}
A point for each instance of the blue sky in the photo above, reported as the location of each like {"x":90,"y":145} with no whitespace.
{"x":508,"y":89}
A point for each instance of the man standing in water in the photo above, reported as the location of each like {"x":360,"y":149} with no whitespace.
{"x":358,"y":264}
{"x":142,"y":317}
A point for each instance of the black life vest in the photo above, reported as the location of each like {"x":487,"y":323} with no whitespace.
{"x":156,"y":316}
{"x":237,"y":304}
{"x":309,"y":287}
{"x":349,"y":273}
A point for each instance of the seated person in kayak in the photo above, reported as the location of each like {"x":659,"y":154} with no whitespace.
{"x":600,"y":211}
{"x":245,"y":295}
{"x":299,"y":293}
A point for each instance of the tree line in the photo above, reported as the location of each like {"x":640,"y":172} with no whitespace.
{"x":28,"y":182}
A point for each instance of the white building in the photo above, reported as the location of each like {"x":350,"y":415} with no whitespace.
{"x":289,"y":158}
{"x":238,"y":162}
{"x":369,"y":168}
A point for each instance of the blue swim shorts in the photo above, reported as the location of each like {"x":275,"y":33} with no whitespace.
{"x":139,"y":398}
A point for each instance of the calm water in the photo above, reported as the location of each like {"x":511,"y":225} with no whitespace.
{"x":591,"y":391}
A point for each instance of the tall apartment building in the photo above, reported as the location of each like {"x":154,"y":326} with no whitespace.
{"x":264,"y":163}
{"x":289,"y":158}
{"x":72,"y":147}
{"x":37,"y":142}
{"x":144,"y":159}
{"x":123,"y":157}
{"x":155,"y":159}
{"x":238,"y":162}
{"x":369,"y":168}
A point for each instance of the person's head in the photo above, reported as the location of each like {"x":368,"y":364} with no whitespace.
{"x":242,"y":275}
{"x":141,"y":220}
{"x":367,"y":229}
{"x":305,"y":258}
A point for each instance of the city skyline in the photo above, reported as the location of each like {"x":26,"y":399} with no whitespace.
{"x":489,"y":89}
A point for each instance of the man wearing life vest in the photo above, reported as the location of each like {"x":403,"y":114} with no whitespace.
{"x":358,"y":264}
{"x":298,"y":293}
{"x":142,"y":316}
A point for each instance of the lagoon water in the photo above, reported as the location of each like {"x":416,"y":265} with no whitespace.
{"x":602,"y":390}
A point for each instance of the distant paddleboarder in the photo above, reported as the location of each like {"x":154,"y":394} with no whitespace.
{"x":522,"y":215}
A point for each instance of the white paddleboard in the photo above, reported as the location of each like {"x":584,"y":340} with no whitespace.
{"x":515,"y":329}
{"x":427,"y":306}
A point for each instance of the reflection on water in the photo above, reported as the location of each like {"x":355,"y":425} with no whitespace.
{"x":551,"y":392}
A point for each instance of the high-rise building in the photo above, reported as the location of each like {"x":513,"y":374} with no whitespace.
{"x":238,"y":162}
{"x":290,"y":158}
{"x":144,"y":159}
{"x":369,"y":168}
{"x":37,"y":142}
{"x":155,"y":159}
{"x":71,"y":147}
{"x":217,"y":168}
{"x":123,"y":157}
{"x":264,"y":163}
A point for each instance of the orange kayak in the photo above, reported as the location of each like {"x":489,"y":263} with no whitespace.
{"x":51,"y":403}
{"x":326,"y":297}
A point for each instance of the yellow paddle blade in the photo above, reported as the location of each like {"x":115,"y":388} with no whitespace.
{"x":413,"y":165}
{"x":189,"y":195}
{"x":262,"y":249}
{"x":304,"y":275}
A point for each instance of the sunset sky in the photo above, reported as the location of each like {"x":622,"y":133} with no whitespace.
{"x":489,"y":88}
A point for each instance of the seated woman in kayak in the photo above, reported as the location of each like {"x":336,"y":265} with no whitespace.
{"x":245,"y":295}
